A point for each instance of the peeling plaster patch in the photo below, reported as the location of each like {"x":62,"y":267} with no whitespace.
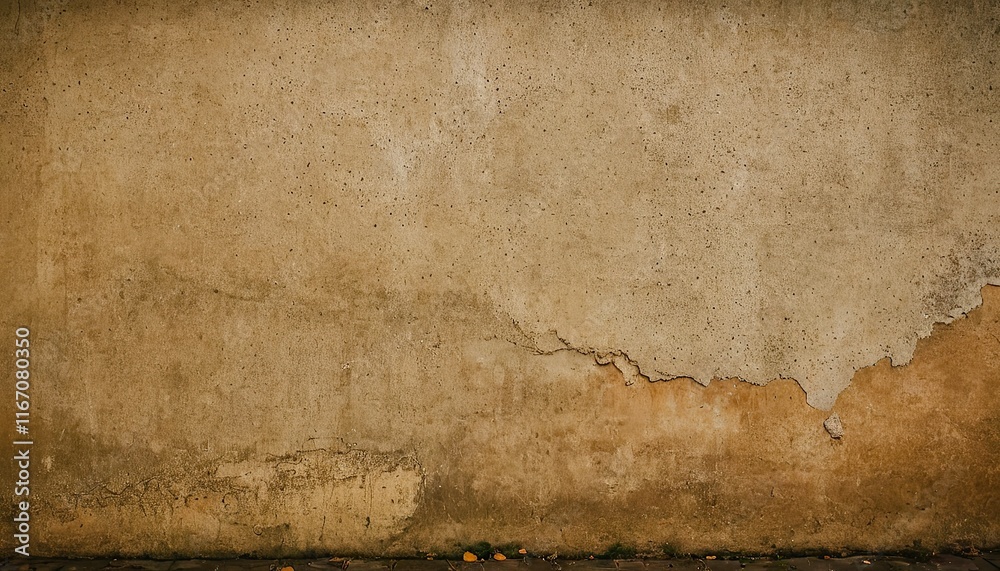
{"x":839,"y":360}
{"x":827,"y":368}
{"x":821,"y":389}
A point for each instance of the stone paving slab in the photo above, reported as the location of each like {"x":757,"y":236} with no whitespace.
{"x":367,"y":564}
{"x":418,"y":565}
{"x":84,"y":564}
{"x":636,"y":565}
{"x":192,"y":564}
{"x":674,"y":565}
{"x":989,"y":561}
{"x":143,"y":564}
{"x":723,"y":565}
{"x":519,"y":564}
{"x":537,"y":563}
{"x":953,"y":563}
{"x":590,"y":565}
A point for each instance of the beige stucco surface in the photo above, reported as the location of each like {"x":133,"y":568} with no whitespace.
{"x":387,"y":278}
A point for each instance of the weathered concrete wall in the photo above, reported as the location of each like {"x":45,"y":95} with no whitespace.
{"x":308,"y":276}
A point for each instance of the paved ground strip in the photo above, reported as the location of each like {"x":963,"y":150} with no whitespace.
{"x":983,"y":562}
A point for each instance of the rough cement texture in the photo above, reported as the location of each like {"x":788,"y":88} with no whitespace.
{"x":309,"y":276}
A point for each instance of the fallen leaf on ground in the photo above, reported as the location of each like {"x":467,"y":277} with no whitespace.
{"x":710,"y":557}
{"x":467,"y":556}
{"x":288,"y":568}
{"x":499,"y":557}
{"x":522,"y":551}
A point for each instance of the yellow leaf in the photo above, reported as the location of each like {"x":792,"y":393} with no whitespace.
{"x":288,"y":568}
{"x":499,"y":557}
{"x":522,"y":551}
{"x":468,"y":556}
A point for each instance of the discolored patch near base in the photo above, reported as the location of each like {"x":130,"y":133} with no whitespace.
{"x":302,"y":502}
